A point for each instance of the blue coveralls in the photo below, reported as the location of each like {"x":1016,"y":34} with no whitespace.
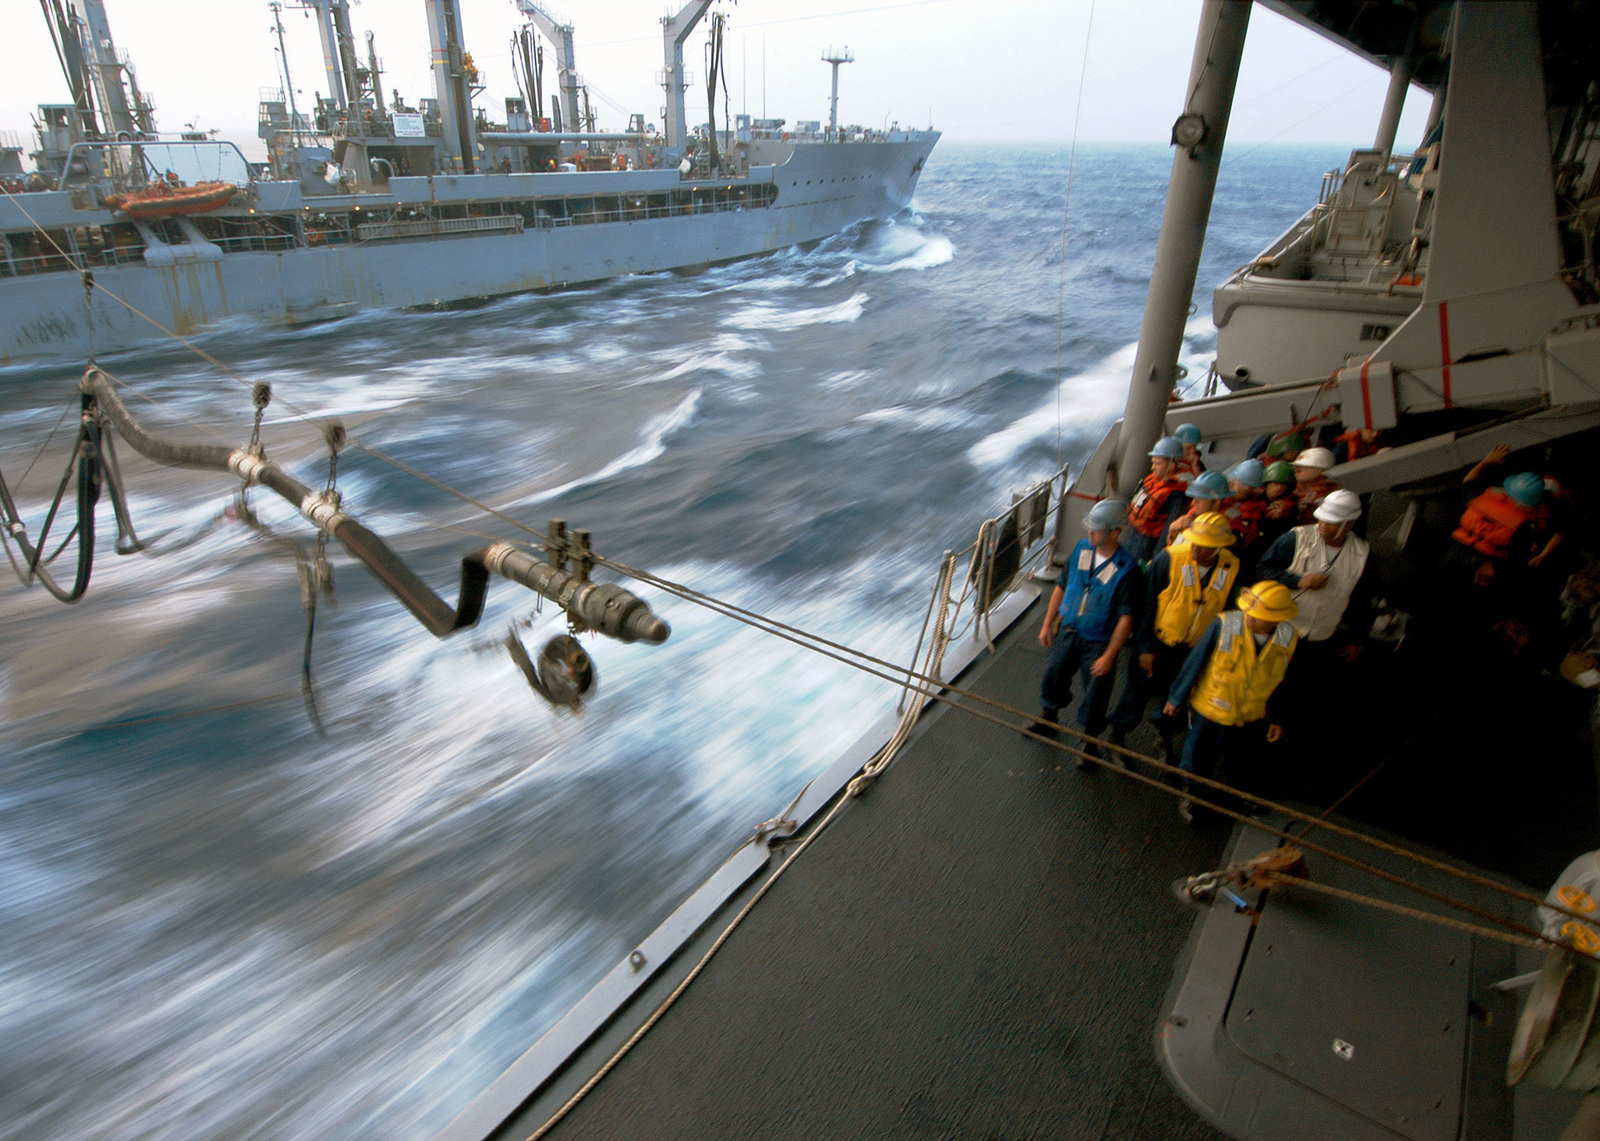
{"x":1091,"y":605}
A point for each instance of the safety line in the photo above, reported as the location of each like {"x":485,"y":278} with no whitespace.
{"x":1066,"y":217}
{"x":817,"y":643}
{"x":1540,"y":943}
{"x":891,"y":672}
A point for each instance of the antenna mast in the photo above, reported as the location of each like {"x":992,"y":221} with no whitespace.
{"x":836,"y":58}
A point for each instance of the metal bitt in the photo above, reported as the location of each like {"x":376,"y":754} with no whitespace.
{"x":1198,"y":134}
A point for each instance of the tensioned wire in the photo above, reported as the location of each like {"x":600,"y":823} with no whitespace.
{"x":1066,"y":216}
{"x":990,"y":709}
{"x":903,"y":675}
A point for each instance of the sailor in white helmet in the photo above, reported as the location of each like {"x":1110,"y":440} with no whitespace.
{"x":1311,"y":482}
{"x":1323,"y":563}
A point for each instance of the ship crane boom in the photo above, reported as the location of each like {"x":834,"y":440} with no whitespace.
{"x":560,"y":36}
{"x":674,"y":30}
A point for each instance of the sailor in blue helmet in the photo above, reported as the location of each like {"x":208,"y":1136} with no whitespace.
{"x":1206,"y":492}
{"x":1090,"y":618}
{"x":1156,"y":501}
{"x":1190,"y":463}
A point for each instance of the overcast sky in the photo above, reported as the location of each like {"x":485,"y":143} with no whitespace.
{"x":1002,"y":70}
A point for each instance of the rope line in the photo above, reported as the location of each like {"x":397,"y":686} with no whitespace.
{"x":1539,"y":943}
{"x":858,"y":784}
{"x":1066,"y":216}
{"x":888,"y":671}
{"x":927,"y":682}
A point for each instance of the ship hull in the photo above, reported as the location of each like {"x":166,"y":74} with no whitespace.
{"x":818,"y":191}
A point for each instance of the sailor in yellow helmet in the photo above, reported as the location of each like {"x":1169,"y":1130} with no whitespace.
{"x":1227,"y":680}
{"x":1189,"y":584}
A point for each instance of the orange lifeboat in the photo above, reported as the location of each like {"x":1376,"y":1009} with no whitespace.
{"x":160,"y":200}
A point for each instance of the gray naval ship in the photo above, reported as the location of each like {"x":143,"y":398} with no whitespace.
{"x":1006,"y":935}
{"x":372,"y":203}
{"x":966,"y":927}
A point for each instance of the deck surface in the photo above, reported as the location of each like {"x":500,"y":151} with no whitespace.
{"x":977,"y":948}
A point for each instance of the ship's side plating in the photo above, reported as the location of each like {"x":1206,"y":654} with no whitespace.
{"x":819,"y":190}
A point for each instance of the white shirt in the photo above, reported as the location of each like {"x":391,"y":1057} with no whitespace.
{"x":1320,"y":610}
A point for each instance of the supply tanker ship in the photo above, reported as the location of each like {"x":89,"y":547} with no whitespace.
{"x":366,"y":203}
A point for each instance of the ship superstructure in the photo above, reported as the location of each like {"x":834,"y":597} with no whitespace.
{"x":372,"y":203}
{"x":1445,"y":297}
{"x":980,"y":957}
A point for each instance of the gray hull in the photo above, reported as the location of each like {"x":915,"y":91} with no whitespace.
{"x":820,"y":190}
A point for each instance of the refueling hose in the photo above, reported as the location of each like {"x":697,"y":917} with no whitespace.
{"x":604,"y":607}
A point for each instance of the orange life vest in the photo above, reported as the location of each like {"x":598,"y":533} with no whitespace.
{"x":1490,"y":521}
{"x":1355,"y":447}
{"x":1311,"y":495}
{"x":1244,"y":516}
{"x":1148,"y":512}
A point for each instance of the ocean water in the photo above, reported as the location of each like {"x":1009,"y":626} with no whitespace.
{"x":216,"y":922}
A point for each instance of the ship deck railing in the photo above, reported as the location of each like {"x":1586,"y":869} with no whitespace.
{"x":90,"y":246}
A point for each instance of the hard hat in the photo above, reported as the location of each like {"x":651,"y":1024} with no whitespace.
{"x":1187,"y":434}
{"x":1280,"y":471}
{"x":1270,"y":601}
{"x":1290,"y":443}
{"x":1211,"y":530}
{"x":1208,"y":485}
{"x":1320,"y":458}
{"x":1105,"y":515}
{"x":1527,"y":488}
{"x":1167,"y":448}
{"x":1340,"y":507}
{"x":1251,"y":473}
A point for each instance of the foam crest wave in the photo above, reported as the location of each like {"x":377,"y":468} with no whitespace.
{"x":764,"y":316}
{"x":653,"y":441}
{"x":1086,"y":402}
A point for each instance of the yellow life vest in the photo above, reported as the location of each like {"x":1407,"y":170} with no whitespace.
{"x":1186,"y":607}
{"x":1237,"y":680}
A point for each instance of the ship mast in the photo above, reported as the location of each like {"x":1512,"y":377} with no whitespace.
{"x":450,"y":82}
{"x":107,"y":69}
{"x":338,"y":51}
{"x":288,"y":81}
{"x":835,"y":58}
{"x":110,"y":75}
